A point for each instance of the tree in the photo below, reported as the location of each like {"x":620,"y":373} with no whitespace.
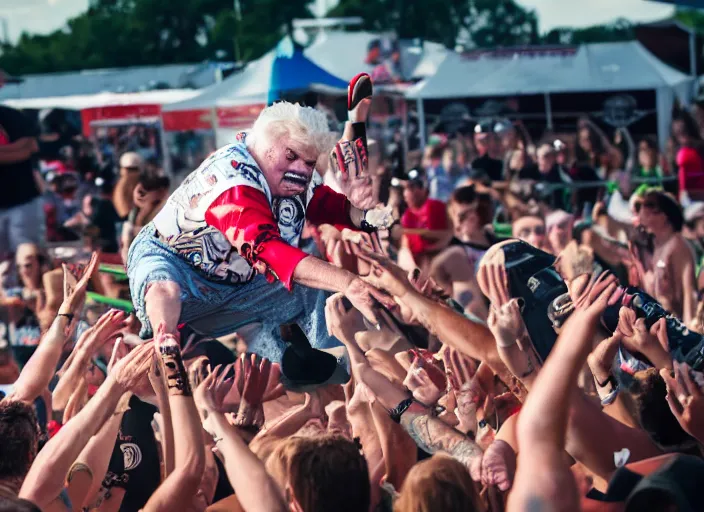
{"x":477,"y":23}
{"x":620,"y":30}
{"x":118,"y":33}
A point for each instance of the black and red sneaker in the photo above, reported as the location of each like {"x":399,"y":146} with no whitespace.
{"x":359,"y":98}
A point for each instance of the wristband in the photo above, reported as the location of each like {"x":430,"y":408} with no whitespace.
{"x":398,"y":411}
{"x":176,"y":376}
{"x":609,"y":380}
{"x":67,"y":315}
{"x":610,"y":398}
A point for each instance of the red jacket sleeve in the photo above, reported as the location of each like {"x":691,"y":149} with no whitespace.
{"x":244,"y":216}
{"x":329,"y":207}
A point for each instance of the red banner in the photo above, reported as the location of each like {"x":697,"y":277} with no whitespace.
{"x":240,"y":116}
{"x":125,"y":112}
{"x":186,"y":120}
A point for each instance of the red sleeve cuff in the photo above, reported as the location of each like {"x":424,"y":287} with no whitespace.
{"x":329,"y":207}
{"x":281,"y":259}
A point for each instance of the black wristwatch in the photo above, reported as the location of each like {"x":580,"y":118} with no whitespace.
{"x":402,"y":407}
{"x":365,"y":226}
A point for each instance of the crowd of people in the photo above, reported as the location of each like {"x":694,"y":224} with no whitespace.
{"x":502,"y":325}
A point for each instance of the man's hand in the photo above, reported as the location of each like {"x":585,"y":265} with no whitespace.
{"x":386,"y":274}
{"x":366,"y":298}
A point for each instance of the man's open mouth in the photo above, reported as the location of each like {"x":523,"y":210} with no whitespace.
{"x":297,"y":178}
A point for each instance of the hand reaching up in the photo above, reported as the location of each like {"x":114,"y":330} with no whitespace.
{"x":506,"y":324}
{"x":639,"y":340}
{"x":685,"y":398}
{"x":425,"y":380}
{"x":75,"y":289}
{"x":386,"y":275}
{"x":128,"y":371}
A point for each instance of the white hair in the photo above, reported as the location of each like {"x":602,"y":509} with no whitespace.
{"x":303,"y":125}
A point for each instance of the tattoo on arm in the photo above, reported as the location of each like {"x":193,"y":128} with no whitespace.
{"x":176,"y":375}
{"x":432,"y":435}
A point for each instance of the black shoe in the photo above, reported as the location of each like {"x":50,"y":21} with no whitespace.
{"x":304,"y":368}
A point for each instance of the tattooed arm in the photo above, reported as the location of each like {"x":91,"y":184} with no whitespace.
{"x":432,"y":435}
{"x":189,"y":451}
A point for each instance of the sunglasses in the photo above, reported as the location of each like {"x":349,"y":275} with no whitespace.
{"x":650,"y":205}
{"x":537,"y":230}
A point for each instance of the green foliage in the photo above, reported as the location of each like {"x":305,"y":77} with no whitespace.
{"x":118,"y":33}
{"x":693,"y":18}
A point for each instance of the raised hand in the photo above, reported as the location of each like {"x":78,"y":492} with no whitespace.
{"x":342,"y":324}
{"x":685,"y":398}
{"x":211,"y":392}
{"x":366,"y":299}
{"x":506,"y":323}
{"x":425,"y":380}
{"x":75,"y":286}
{"x":386,"y":274}
{"x":591,"y":296}
{"x":499,"y":465}
{"x":638,"y":339}
{"x":252,"y":379}
{"x":128,"y":371}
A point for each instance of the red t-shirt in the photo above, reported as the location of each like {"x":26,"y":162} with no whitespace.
{"x":691,"y":169}
{"x":432,"y":215}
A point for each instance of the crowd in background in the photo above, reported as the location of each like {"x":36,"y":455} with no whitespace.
{"x":488,"y":421}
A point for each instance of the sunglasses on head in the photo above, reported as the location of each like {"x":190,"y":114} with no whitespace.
{"x":537,"y":230}
{"x":650,"y":205}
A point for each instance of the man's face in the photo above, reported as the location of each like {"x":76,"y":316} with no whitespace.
{"x":650,"y":216}
{"x":546,"y":161}
{"x":531,"y":230}
{"x":288,"y":167}
{"x":560,"y":234}
{"x":414,"y":194}
{"x":465,"y":220}
{"x":28,"y":267}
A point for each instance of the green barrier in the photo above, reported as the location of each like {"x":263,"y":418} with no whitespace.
{"x":503,"y":230}
{"x":116,"y":271}
{"x":124,"y":305}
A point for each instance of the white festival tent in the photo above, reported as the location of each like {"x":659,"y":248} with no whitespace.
{"x":589,"y":68}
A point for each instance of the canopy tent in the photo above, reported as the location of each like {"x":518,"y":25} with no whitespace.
{"x":233,"y":102}
{"x":590,"y":68}
{"x":345,"y":54}
{"x":107,"y":106}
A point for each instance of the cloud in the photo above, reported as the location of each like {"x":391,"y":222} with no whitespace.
{"x":579,"y":14}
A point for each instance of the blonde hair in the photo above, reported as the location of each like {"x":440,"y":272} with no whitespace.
{"x":438,"y":483}
{"x":305,"y":126}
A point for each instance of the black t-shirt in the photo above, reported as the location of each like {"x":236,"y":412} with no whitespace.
{"x":18,"y":185}
{"x":105,"y":219}
{"x":491,"y":166}
{"x":134,"y":465}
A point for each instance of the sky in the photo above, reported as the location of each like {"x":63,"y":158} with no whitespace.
{"x":43,"y":16}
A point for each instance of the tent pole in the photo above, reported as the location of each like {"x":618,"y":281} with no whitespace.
{"x":404,"y":121}
{"x":421,"y":122}
{"x":548,"y":111}
{"x":693,"y":60}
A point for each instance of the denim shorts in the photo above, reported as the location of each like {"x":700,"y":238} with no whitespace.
{"x":218,"y":309}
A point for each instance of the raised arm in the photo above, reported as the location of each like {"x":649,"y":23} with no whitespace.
{"x":189,"y":451}
{"x":45,"y":479}
{"x":429,"y":433}
{"x":40,"y":368}
{"x":543,"y":475}
{"x":86,"y":347}
{"x":255,"y":489}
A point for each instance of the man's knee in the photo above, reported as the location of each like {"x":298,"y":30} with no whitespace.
{"x":164,"y":290}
